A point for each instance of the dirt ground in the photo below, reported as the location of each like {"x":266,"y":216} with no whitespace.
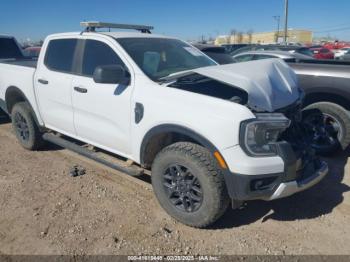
{"x":43,"y":210}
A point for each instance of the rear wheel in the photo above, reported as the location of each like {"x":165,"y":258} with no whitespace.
{"x":328,"y":127}
{"x":189,"y":185}
{"x":25,"y":128}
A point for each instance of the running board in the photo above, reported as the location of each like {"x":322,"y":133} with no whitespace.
{"x":130,"y":170}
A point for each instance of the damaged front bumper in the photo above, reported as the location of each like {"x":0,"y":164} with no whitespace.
{"x":301,"y":170}
{"x":289,"y":188}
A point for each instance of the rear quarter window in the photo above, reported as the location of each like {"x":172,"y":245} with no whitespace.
{"x":59,"y":55}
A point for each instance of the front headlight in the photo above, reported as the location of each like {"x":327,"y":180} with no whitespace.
{"x":258,"y":136}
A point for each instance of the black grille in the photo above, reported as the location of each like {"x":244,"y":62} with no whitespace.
{"x":293,"y":112}
{"x":295,"y":134}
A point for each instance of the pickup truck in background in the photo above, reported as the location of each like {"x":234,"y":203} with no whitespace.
{"x":9,"y":48}
{"x":326,"y":104}
{"x":208,"y":133}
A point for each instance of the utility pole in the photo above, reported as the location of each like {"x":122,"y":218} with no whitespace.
{"x":278,"y":19}
{"x":286,"y":22}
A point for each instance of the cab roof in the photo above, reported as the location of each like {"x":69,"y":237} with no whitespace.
{"x":116,"y":35}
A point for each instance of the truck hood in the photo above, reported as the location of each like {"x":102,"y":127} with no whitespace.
{"x":271,"y":84}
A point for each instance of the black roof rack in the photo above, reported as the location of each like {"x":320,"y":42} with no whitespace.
{"x":91,"y":26}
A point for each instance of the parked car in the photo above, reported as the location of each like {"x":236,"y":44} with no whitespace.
{"x":327,"y":91}
{"x":288,"y":48}
{"x":315,"y":46}
{"x":9,"y":48}
{"x":346,"y":56}
{"x":341,"y":52}
{"x":32,"y":51}
{"x":295,"y":49}
{"x":207,"y":132}
{"x":217,"y":53}
{"x":335,"y":45}
{"x":232,"y":47}
{"x":322,"y":53}
{"x":265,"y":54}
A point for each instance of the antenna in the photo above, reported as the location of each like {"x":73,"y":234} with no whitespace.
{"x":91,"y":26}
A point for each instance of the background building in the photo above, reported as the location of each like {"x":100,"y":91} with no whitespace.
{"x":294,"y":36}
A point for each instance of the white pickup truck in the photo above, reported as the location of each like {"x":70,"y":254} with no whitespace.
{"x":208,"y":133}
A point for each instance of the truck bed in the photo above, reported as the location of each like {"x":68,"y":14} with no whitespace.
{"x":27,"y":62}
{"x":18,"y":73}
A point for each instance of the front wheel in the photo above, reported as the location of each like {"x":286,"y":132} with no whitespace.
{"x":328,"y":127}
{"x":189,"y":185}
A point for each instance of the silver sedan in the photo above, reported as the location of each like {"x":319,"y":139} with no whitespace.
{"x":266,"y":54}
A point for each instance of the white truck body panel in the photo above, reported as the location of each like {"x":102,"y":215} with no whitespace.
{"x":19,"y":76}
{"x":187,"y":110}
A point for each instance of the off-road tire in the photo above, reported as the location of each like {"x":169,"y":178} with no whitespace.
{"x":338,"y":113}
{"x":205,"y":168}
{"x":33,"y":139}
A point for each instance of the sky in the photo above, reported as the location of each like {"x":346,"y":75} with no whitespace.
{"x":189,"y":20}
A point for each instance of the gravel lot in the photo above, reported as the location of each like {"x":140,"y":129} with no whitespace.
{"x":45,"y":211}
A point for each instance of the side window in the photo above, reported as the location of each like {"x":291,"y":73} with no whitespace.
{"x":259,"y":57}
{"x":59,"y":55}
{"x":244,"y":58}
{"x":96,"y":54}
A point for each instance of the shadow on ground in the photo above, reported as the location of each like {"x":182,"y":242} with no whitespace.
{"x":314,"y":202}
{"x":47,"y":147}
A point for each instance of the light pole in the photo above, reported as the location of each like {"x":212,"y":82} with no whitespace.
{"x":286,"y":22}
{"x":278,"y":19}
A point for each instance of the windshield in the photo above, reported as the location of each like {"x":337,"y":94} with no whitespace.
{"x":160,"y":57}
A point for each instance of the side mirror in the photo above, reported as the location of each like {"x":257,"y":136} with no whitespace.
{"x":111,"y":74}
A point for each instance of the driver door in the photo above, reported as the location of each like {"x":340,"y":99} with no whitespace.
{"x":101,"y":111}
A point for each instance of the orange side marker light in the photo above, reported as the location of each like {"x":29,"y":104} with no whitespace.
{"x":220,"y":159}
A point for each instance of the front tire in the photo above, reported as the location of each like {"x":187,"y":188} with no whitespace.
{"x":189,"y":185}
{"x":25,"y":127}
{"x":328,"y":127}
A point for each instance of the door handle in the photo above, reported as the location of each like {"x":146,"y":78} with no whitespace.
{"x":80,"y":89}
{"x":43,"y":81}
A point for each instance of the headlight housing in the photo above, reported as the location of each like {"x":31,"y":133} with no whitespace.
{"x":258,"y":136}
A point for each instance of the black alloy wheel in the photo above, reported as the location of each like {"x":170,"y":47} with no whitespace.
{"x":21,"y":127}
{"x":183,"y":188}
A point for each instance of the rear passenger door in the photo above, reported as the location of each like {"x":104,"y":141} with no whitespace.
{"x":102,"y":111}
{"x":53,"y":83}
